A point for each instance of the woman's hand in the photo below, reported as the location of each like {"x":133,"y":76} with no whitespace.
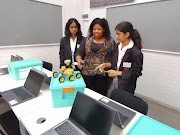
{"x":80,"y":63}
{"x":112,"y":73}
{"x":101,"y":67}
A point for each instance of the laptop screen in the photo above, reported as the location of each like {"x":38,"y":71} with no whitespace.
{"x":14,"y":58}
{"x":19,"y":57}
{"x":34,"y":81}
{"x":92,"y":115}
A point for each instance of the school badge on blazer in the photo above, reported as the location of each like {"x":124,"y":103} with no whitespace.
{"x":127,"y":66}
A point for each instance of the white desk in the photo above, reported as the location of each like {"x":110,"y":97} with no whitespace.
{"x":54,"y":116}
{"x":8,"y":83}
{"x":30,"y":111}
{"x":30,"y":106}
{"x":43,"y":99}
{"x":3,"y":66}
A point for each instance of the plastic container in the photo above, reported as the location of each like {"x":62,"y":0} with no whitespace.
{"x":147,"y":126}
{"x":19,"y":70}
{"x":63,"y":93}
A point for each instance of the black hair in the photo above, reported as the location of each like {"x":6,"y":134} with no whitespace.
{"x":104,"y":24}
{"x":134,"y":34}
{"x":67,"y":32}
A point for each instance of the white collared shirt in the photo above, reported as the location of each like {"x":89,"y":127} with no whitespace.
{"x":122,"y":51}
{"x":73,"y":46}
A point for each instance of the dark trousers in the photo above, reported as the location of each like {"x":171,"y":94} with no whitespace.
{"x":96,"y":83}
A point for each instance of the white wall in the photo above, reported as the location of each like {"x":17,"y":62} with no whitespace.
{"x":160,"y":80}
{"x":43,"y":53}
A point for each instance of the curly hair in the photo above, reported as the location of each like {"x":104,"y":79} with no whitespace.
{"x":67,"y":32}
{"x":104,"y":24}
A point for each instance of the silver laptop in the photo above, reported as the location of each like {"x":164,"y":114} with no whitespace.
{"x":123,"y":115}
{"x":30,"y":89}
{"x":87,"y":117}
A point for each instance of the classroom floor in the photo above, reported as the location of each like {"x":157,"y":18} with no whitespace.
{"x":164,"y":115}
{"x":156,"y":111}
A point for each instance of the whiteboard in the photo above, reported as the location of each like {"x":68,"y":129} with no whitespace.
{"x":26,"y":22}
{"x":157,"y":22}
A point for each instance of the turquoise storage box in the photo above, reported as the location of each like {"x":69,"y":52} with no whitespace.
{"x":147,"y":126}
{"x":63,"y":93}
{"x":19,"y":70}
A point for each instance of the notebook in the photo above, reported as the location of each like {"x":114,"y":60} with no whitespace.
{"x":30,"y":89}
{"x":87,"y":117}
{"x":123,"y":115}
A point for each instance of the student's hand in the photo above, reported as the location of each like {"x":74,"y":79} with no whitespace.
{"x":80,"y":63}
{"x":101,"y":67}
{"x":112,"y":73}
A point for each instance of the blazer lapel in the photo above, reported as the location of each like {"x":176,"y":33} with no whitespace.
{"x":126,"y":55}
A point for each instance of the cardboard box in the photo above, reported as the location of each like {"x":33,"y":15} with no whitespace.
{"x":19,"y":70}
{"x":63,"y":93}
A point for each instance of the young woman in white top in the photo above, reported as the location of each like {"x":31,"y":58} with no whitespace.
{"x":71,"y":42}
{"x":127,"y":62}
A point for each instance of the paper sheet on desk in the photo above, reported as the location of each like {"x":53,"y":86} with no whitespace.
{"x":13,"y":102}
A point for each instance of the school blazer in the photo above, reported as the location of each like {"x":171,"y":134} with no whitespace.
{"x":65,"y":49}
{"x":127,"y":81}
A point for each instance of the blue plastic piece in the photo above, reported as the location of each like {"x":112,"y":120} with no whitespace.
{"x":147,"y":126}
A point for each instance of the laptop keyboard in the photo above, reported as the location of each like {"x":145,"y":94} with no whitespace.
{"x":122,"y":117}
{"x":22,"y":94}
{"x":67,"y":129}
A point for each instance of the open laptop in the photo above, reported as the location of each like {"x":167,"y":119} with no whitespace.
{"x":30,"y":89}
{"x":4,"y":71}
{"x":87,"y":117}
{"x":19,"y":57}
{"x":47,"y":80}
{"x":14,"y":58}
{"x":123,"y":115}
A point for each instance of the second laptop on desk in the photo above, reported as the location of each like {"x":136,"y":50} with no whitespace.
{"x":30,"y":89}
{"x":123,"y":115}
{"x":87,"y":117}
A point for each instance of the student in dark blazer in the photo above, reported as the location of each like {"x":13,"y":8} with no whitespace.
{"x":71,"y":42}
{"x":127,"y":61}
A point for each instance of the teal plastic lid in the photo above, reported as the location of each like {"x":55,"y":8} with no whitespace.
{"x":147,"y":126}
{"x":24,"y":63}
